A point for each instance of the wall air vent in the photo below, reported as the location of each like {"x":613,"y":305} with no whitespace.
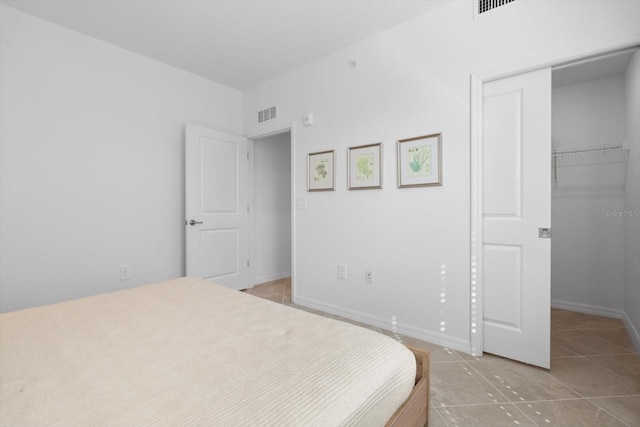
{"x":487,"y":5}
{"x":267,"y":114}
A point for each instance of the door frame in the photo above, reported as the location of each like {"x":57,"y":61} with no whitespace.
{"x":258,"y":135}
{"x":551,"y":59}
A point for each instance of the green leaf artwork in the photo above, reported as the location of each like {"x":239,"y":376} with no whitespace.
{"x":364,"y":167}
{"x":419,"y":161}
{"x":320,"y":170}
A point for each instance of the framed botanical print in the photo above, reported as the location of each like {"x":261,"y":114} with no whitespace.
{"x":321,"y":171}
{"x":365,"y":167}
{"x":420,"y":161}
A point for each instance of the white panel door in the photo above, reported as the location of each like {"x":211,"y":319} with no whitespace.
{"x":516,"y":197}
{"x":216,"y":206}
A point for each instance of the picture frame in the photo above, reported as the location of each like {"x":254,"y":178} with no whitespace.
{"x":321,"y":172}
{"x":420,"y":161}
{"x":365,"y":167}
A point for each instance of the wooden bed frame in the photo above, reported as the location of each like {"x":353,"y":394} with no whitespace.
{"x":415,"y":410}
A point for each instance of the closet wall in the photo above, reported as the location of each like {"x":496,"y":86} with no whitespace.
{"x":632,"y":203}
{"x":587,"y":266}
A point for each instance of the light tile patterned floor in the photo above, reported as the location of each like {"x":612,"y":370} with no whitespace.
{"x":594,"y":378}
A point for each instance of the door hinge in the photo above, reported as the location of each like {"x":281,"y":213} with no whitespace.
{"x":248,"y":263}
{"x":247,"y":155}
{"x":247,"y":208}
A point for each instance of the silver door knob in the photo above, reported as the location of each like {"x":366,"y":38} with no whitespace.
{"x":194,"y":222}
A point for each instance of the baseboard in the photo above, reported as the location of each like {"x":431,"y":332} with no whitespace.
{"x":587,"y":309}
{"x":401,"y":328}
{"x":270,"y":278}
{"x":633,"y":332}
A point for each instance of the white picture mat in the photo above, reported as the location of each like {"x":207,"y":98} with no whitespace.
{"x":321,"y":171}
{"x":356,"y":180}
{"x":409,"y":177}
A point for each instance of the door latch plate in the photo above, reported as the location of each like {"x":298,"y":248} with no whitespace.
{"x":544,"y":233}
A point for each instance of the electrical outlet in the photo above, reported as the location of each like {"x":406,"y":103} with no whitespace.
{"x":342,"y":271}
{"x":124,"y":272}
{"x":368,"y":276}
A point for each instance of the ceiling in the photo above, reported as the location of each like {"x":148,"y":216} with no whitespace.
{"x":239,"y":43}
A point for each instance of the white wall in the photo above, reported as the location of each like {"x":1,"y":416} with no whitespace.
{"x":632,"y":203}
{"x":272,"y":208}
{"x":587,"y":260}
{"x":91,"y":163}
{"x":589,"y":113}
{"x":411,"y":80}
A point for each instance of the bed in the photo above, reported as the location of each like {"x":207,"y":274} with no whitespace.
{"x":189,"y":352}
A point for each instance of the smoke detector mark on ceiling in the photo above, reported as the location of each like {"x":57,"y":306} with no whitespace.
{"x":483,"y":6}
{"x":267,"y":114}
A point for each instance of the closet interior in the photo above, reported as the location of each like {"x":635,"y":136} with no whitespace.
{"x":589,"y":162}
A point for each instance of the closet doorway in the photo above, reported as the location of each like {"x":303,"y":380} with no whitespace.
{"x":271,"y":208}
{"x":589,"y":169}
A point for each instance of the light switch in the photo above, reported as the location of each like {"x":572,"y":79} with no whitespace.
{"x":301,"y":203}
{"x":342,"y":271}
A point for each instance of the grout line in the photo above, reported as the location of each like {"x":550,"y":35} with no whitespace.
{"x":444,"y":420}
{"x":565,"y":384}
{"x":609,"y":369}
{"x":611,"y":342}
{"x":489,"y":382}
{"x":592,"y":397}
{"x":603,"y":409}
{"x":571,"y":341}
{"x":598,"y":366}
{"x":508,"y":400}
{"x":566,"y":399}
{"x":596,"y":355}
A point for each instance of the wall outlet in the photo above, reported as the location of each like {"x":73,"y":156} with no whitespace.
{"x":368,"y":276}
{"x":124,"y":272}
{"x":342,"y":271}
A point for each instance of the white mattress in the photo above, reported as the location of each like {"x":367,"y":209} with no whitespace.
{"x":187,"y":352}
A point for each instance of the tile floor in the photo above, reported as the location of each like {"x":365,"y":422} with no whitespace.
{"x":594,"y":378}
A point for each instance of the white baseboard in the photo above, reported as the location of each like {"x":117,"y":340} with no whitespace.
{"x":587,"y":309}
{"x":633,"y":332}
{"x":401,"y":328}
{"x":270,"y":278}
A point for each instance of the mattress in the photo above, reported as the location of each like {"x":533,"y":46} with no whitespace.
{"x":189,"y":352}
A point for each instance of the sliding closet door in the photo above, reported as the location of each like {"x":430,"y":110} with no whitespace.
{"x":516,"y":195}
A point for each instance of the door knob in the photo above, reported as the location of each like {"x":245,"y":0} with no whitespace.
{"x":194,"y":222}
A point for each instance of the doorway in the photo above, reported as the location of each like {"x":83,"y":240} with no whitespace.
{"x":478,"y":271}
{"x":589,"y":161}
{"x":271,"y":208}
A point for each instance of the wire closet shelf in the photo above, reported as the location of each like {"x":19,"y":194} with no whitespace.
{"x":607,"y":157}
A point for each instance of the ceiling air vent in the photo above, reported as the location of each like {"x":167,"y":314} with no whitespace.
{"x":267,"y":114}
{"x":487,"y":5}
